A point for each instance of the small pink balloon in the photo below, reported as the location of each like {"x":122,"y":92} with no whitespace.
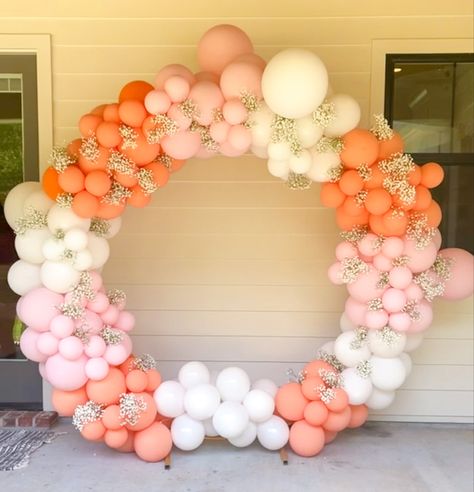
{"x":38,"y":307}
{"x":97,"y":282}
{"x":71,"y":348}
{"x":367,"y":259}
{"x":70,"y":298}
{"x":241,"y":78}
{"x":169,"y":71}
{"x":42,"y":370}
{"x":392,"y":247}
{"x":28,"y":346}
{"x":96,"y":368}
{"x":460,"y":284}
{"x":369,"y":245}
{"x":64,"y":374}
{"x":335,"y":273}
{"x":125,"y":321}
{"x":426,"y":317}
{"x":414,"y":292}
{"x":91,"y":322}
{"x":355,"y":311}
{"x":382,"y":262}
{"x":240,"y":137}
{"x":110,"y":315}
{"x":47,"y":343}
{"x":419,"y":260}
{"x":228,"y":150}
{"x":234,"y":112}
{"x":344,"y":250}
{"x":99,"y":304}
{"x":399,"y":321}
{"x":364,"y":288}
{"x":95,"y":347}
{"x":62,"y":326}
{"x":400,"y":277}
{"x":182,"y":145}
{"x":177,"y":89}
{"x":157,"y":102}
{"x":175,"y":113}
{"x":117,"y":354}
{"x":208,"y":76}
{"x":219,"y":131}
{"x":208,"y":97}
{"x":376,"y":319}
{"x":394,"y":300}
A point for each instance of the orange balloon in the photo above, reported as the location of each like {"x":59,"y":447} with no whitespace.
{"x":154,"y":380}
{"x":111,"y":113}
{"x":73,"y":147}
{"x":351,"y":182}
{"x":144,"y":152}
{"x":422,"y":198}
{"x":329,"y":436}
{"x":138,"y":198}
{"x":305,"y":439}
{"x":337,"y":421}
{"x":85,"y":205}
{"x":310,"y":387}
{"x":136,"y":381}
{"x":154,"y":443}
{"x":97,"y":183}
{"x":100,"y":163}
{"x":127,"y":447}
{"x":135,"y":90}
{"x":147,"y":416}
{"x":88,"y":124}
{"x":359,"y":414}
{"x":108,"y":390}
{"x":160,"y":172}
{"x":352,"y":208}
{"x":414,"y":177}
{"x":110,"y":211}
{"x":65,"y":402}
{"x":347,"y":222}
{"x":316,"y":413}
{"x":132,"y":112}
{"x":128,"y":365}
{"x":111,"y":418}
{"x":108,"y":134}
{"x":71,"y":179}
{"x":313,"y":368}
{"x":376,"y":178}
{"x":360,"y":147}
{"x":398,"y":203}
{"x":434,"y":214}
{"x":99,"y":110}
{"x":378,"y":201}
{"x":50,"y":183}
{"x":116,"y":438}
{"x":94,"y":431}
{"x":339,"y":402}
{"x":395,"y":224}
{"x":126,"y":179}
{"x":290,"y":401}
{"x":376,"y":225}
{"x":432,"y":175}
{"x":391,"y":146}
{"x":176,"y":165}
{"x":331,"y":195}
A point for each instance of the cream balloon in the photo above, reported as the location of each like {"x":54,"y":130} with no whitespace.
{"x":13,"y":208}
{"x":300,"y":163}
{"x":75,"y":239}
{"x":386,"y":342}
{"x":322,"y":164}
{"x":349,"y":350}
{"x":380,"y":399}
{"x":259,"y":405}
{"x":274,"y":433}
{"x":230,"y":419}
{"x":114,"y":227}
{"x":266,"y":385}
{"x":39,"y":201}
{"x":279,"y":169}
{"x":358,"y":388}
{"x":29,"y":245}
{"x":23,"y":277}
{"x":347,"y":115}
{"x":58,"y":276}
{"x":279,"y":151}
{"x":246,"y":438}
{"x":261,"y":126}
{"x":99,"y":249}
{"x":53,"y":248}
{"x":387,"y":374}
{"x":63,"y":219}
{"x":193,"y":373}
{"x":308,"y":132}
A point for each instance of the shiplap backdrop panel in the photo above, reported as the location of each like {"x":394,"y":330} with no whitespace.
{"x":227,"y":265}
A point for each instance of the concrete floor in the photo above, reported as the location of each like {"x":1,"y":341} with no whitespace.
{"x":380,"y":456}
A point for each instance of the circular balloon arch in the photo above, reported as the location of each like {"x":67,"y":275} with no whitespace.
{"x":285,"y":112}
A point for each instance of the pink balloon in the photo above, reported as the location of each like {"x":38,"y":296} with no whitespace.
{"x":355,"y":311}
{"x":228,"y":150}
{"x":382,"y":263}
{"x":209,"y":76}
{"x":38,"y":307}
{"x":399,"y":321}
{"x":71,"y":348}
{"x":376,"y":319}
{"x":97,"y":282}
{"x":345,"y":249}
{"x":240,"y":138}
{"x":220,"y":45}
{"x":99,"y":304}
{"x":177,"y":89}
{"x":69,"y":298}
{"x":96,"y":368}
{"x":47,"y":343}
{"x":419,"y":260}
{"x":241,"y":77}
{"x":364,"y":288}
{"x":95,"y":347}
{"x":392,"y":247}
{"x":414,"y":292}
{"x":28,"y":346}
{"x":62,"y":326}
{"x":219,"y":131}
{"x":91,"y":322}
{"x":252,"y":58}
{"x":157,"y":102}
{"x":208,"y":97}
{"x":426,"y":317}
{"x":204,"y":153}
{"x":335,"y":273}
{"x":169,"y":71}
{"x":394,"y":300}
{"x":437,"y":239}
{"x":400,"y":277}
{"x":125,"y":321}
{"x":369,"y":245}
{"x":64,"y":374}
{"x":234,"y":112}
{"x":117,"y":354}
{"x":182,"y":145}
{"x":110,"y":315}
{"x":460,"y":285}
{"x":42,"y":371}
{"x":175,"y":113}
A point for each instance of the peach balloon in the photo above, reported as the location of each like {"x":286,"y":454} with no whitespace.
{"x":88,"y":124}
{"x":182,"y":145}
{"x":360,"y":147}
{"x":144,"y":152}
{"x":136,"y":381}
{"x":147,"y":416}
{"x":111,"y":417}
{"x":138,"y":198}
{"x":171,"y":70}
{"x":65,"y":402}
{"x":97,"y":183}
{"x":99,"y":110}
{"x":116,"y":438}
{"x":132,"y":112}
{"x":378,"y":201}
{"x":305,"y":439}
{"x":347,"y":222}
{"x":241,"y":77}
{"x":391,"y":146}
{"x":108,"y":134}
{"x":127,"y":447}
{"x":414,"y":177}
{"x":160,"y":172}
{"x":208,"y":97}
{"x":422,"y":198}
{"x":351,"y":182}
{"x":290,"y":401}
{"x":316,"y":413}
{"x":154,"y":443}
{"x":337,"y":421}
{"x":50,"y":183}
{"x":434,"y":214}
{"x":71,"y":180}
{"x":331,"y":195}
{"x":93,"y":431}
{"x":109,"y":210}
{"x":73,"y":147}
{"x":313,"y":368}
{"x":129,"y":178}
{"x":310,"y":387}
{"x":432,"y":174}
{"x":329,"y":436}
{"x":85,"y":205}
{"x":252,"y":58}
{"x":376,"y":178}
{"x":99,"y":163}
{"x":128,"y":365}
{"x":352,"y":207}
{"x":108,"y":390}
{"x":359,"y":414}
{"x":153,"y":380}
{"x":111,"y":113}
{"x":395,"y":223}
{"x":339,"y":402}
{"x":135,"y":90}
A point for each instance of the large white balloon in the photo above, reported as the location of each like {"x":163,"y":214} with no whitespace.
{"x":294,"y":83}
{"x":347,"y":115}
{"x":201,"y":401}
{"x":29,"y":245}
{"x":322,"y":164}
{"x":358,"y":389}
{"x":193,"y":373}
{"x":187,"y":433}
{"x":382,"y":343}
{"x":99,"y":249}
{"x":246,"y":438}
{"x":233,"y":384}
{"x":259,"y":404}
{"x":13,"y":208}
{"x":380,"y":399}
{"x":38,"y":200}
{"x":266,"y":385}
{"x":23,"y":277}
{"x":230,"y":419}
{"x":274,"y":433}
{"x":63,"y":219}
{"x":169,"y":399}
{"x":349,"y":351}
{"x":387,"y":374}
{"x":59,"y":277}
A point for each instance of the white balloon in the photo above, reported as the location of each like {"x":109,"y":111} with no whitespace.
{"x":53,"y":248}
{"x":99,"y":249}
{"x":327,"y":348}
{"x":63,"y":219}
{"x":193,"y":373}
{"x":201,"y":401}
{"x":83,"y":260}
{"x":348,"y":351}
{"x":407,"y":362}
{"x":187,"y":433}
{"x":382,"y":347}
{"x":380,"y":399}
{"x":233,"y":384}
{"x":246,"y":438}
{"x":29,"y":246}
{"x":358,"y":389}
{"x":346,"y":324}
{"x":261,"y":126}
{"x":259,"y":405}
{"x":58,"y":276}
{"x":75,"y":239}
{"x":209,"y":428}
{"x":114,"y":227}
{"x":308,"y":132}
{"x":169,"y":399}
{"x":280,"y":151}
{"x":13,"y":208}
{"x":414,"y":340}
{"x":279,"y":169}
{"x":294,"y":83}
{"x":38,"y":200}
{"x":322,"y":164}
{"x":230,"y":419}
{"x":259,"y":151}
{"x":347,"y":115}
{"x":387,"y":374}
{"x":274,"y":433}
{"x":23,"y":277}
{"x":301,"y":163}
{"x":266,"y":385}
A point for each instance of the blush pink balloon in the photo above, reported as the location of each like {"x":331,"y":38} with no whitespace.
{"x":42,"y":371}
{"x":95,"y":347}
{"x":252,"y":58}
{"x":96,"y":368}
{"x":414,"y":292}
{"x":97,"y":282}
{"x":426,"y":317}
{"x":28,"y":346}
{"x":208,"y":97}
{"x":219,"y":131}
{"x":368,"y":245}
{"x":209,"y":76}
{"x":355,"y":311}
{"x":382,"y":263}
{"x":117,"y":354}
{"x":241,"y":77}
{"x":234,"y":112}
{"x":376,"y":319}
{"x":110,"y":315}
{"x":91,"y":322}
{"x":394,"y":300}
{"x":62,"y":326}
{"x":399,"y":321}
{"x":204,"y":153}
{"x":182,"y":145}
{"x":71,"y":348}
{"x":99,"y":304}
{"x":69,"y":298}
{"x":64,"y":374}
{"x":239,"y":138}
{"x":335,"y":273}
{"x":437,"y":239}
{"x":419,"y":260}
{"x":392,"y":247}
{"x":229,"y":151}
{"x":157,"y":102}
{"x":47,"y":343}
{"x":345,"y":249}
{"x":177,"y":88}
{"x":175,"y":113}
{"x":460,"y":285}
{"x":364,"y":288}
{"x":125,"y":321}
{"x":38,"y":307}
{"x":400,"y":277}
{"x":169,"y":71}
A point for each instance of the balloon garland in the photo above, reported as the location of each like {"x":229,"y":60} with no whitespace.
{"x":283,"y":111}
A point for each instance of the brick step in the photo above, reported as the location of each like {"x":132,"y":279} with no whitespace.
{"x":27,"y":418}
